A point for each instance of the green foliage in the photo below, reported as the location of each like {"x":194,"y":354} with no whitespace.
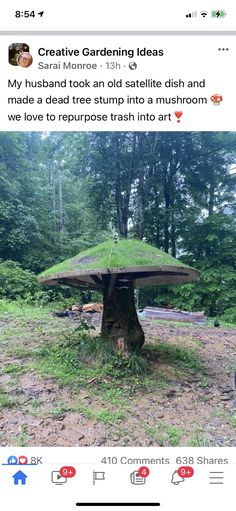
{"x":81,"y":347}
{"x":229,"y":315}
{"x":185,"y":358}
{"x":63,"y":193}
{"x":17,"y":283}
{"x":6,"y":401}
{"x":214,"y":293}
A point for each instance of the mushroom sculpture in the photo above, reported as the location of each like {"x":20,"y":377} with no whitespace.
{"x":116,"y":268}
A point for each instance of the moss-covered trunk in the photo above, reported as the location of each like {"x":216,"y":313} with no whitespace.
{"x":120,"y":322}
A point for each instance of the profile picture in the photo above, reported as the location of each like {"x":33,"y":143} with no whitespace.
{"x":19,"y":55}
{"x":25,"y":59}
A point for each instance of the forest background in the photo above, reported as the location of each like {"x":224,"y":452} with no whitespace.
{"x":61,"y":193}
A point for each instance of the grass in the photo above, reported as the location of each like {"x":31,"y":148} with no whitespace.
{"x":14,"y":369}
{"x":233,"y":421}
{"x":203,"y":382}
{"x":165,"y":434}
{"x":110,"y":254}
{"x":199,"y":440}
{"x":18,"y":352}
{"x":21,"y":309}
{"x":80,"y":361}
{"x":88,"y":362}
{"x":105,"y":416}
{"x":22,"y":439}
{"x":185,"y":358}
{"x":221,"y":414}
{"x":209,"y":324}
{"x":6,"y":401}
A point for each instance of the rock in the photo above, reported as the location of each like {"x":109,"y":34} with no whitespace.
{"x":171,"y":393}
{"x":101,"y":441}
{"x":226,"y":391}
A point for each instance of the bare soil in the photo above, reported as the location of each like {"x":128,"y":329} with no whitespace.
{"x":187,"y":409}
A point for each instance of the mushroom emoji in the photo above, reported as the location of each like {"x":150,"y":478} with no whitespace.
{"x":216,"y":99}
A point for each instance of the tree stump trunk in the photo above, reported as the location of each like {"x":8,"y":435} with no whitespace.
{"x":120,"y":322}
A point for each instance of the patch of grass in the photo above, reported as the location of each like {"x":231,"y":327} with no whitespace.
{"x":108,"y":417}
{"x":223,"y":325}
{"x":11,"y":333}
{"x":222,"y":414}
{"x":105,"y":416}
{"x":199,"y":440}
{"x":233,"y":420}
{"x":13,"y":369}
{"x":81,"y":359}
{"x":174,"y":434}
{"x":22,"y":439}
{"x":203,"y":383}
{"x":6,"y":401}
{"x":153,"y":434}
{"x":36,"y":403}
{"x":150,"y":431}
{"x":164,"y":434}
{"x":114,"y":395}
{"x":198,"y":342}
{"x":185,"y":358}
{"x":61,"y":409}
{"x":21,"y":309}
{"x":18,"y":352}
{"x":184,"y":324}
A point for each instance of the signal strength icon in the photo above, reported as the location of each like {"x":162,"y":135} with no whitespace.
{"x":191,"y":14}
{"x":204,"y":13}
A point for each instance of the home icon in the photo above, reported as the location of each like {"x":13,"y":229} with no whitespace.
{"x":19,"y":477}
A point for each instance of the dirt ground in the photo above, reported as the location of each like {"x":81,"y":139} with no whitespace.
{"x":186,"y":409}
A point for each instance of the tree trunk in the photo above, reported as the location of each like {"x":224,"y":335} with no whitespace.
{"x":60,"y":200}
{"x":120,"y":322}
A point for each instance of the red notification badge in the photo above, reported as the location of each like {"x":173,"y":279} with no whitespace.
{"x":67,"y":472}
{"x":143,"y":472}
{"x":185,"y":472}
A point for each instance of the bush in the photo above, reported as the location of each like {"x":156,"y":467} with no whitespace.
{"x":17,"y":283}
{"x":213,"y":293}
{"x":229,"y":315}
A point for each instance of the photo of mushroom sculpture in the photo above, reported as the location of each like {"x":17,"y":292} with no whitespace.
{"x":116,"y":268}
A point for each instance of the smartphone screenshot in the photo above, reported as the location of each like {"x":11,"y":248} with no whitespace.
{"x":117,"y":256}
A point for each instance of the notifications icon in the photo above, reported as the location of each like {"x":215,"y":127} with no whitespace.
{"x":176,"y":479}
{"x":181,"y":474}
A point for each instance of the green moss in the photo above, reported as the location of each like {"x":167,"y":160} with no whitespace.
{"x":113,"y":255}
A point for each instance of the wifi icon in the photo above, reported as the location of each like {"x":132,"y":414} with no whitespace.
{"x":204,"y":13}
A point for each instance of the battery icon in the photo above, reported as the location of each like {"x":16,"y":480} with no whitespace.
{"x":218,"y":14}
